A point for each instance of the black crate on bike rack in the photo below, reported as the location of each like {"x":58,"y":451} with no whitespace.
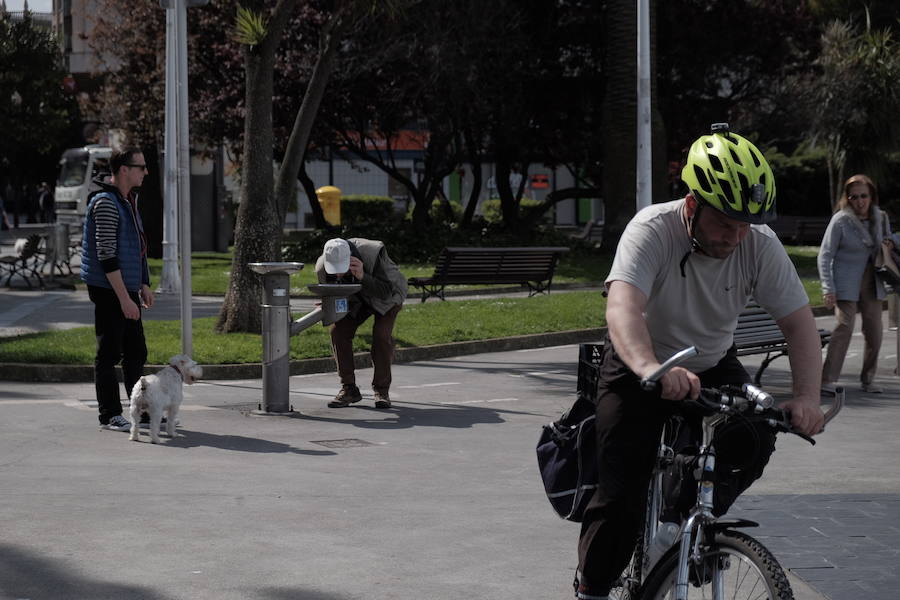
{"x":589,"y":370}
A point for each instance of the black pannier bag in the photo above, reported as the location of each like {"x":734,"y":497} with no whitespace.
{"x":566,"y":454}
{"x":566,"y":451}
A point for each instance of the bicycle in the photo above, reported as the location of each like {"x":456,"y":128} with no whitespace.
{"x":709,"y":557}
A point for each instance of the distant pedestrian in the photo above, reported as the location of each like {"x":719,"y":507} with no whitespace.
{"x":852,"y":239}
{"x":47,"y":203}
{"x":114,"y":266}
{"x":28,"y":202}
{"x":12,"y":204}
{"x":4,"y":222}
{"x":384,"y":289}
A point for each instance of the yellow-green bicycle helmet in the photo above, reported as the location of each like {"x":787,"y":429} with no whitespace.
{"x":727,"y":172}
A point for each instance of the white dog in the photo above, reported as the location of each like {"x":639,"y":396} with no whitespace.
{"x":162,"y":392}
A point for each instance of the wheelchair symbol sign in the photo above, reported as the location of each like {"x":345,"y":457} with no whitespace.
{"x":340,"y":305}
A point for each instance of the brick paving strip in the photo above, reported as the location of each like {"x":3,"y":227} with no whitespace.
{"x":845,"y":546}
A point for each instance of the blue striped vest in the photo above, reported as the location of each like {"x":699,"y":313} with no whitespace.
{"x":128,"y":247}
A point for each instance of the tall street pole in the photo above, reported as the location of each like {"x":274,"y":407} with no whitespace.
{"x":170,"y":282}
{"x":184,"y":177}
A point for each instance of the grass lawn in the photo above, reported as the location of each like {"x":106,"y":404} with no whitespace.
{"x":418,"y":325}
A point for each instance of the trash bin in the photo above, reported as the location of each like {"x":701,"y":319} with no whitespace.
{"x":330,"y":199}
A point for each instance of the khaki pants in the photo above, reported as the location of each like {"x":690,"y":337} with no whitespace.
{"x":870,"y":308}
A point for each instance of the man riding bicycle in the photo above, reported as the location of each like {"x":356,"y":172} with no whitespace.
{"x":683,"y":272}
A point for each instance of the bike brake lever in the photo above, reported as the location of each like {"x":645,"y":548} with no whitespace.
{"x":651,"y":382}
{"x":786,"y":428}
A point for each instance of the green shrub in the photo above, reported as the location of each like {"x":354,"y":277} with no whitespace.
{"x":407,"y":244}
{"x":490,"y":208}
{"x":438,"y":211}
{"x":359,"y":208}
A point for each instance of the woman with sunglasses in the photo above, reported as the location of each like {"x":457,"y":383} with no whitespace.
{"x":847,"y":272}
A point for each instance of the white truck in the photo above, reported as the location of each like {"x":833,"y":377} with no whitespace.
{"x":78,"y":169}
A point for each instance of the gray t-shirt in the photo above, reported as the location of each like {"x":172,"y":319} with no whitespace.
{"x":702,"y":307}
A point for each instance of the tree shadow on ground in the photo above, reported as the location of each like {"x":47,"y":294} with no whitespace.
{"x":26,"y":575}
{"x":193,"y":439}
{"x":403,"y":415}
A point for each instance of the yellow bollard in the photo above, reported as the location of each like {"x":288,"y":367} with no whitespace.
{"x":330,"y":199}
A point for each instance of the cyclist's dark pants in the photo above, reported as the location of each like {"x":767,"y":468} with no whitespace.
{"x":629,"y":424}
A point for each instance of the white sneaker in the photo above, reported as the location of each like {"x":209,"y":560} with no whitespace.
{"x":117,"y":423}
{"x":829,"y":387}
{"x":872,"y":388}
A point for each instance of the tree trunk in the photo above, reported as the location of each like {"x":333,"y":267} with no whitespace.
{"x":475,"y":192}
{"x":658,"y":139}
{"x":620,"y":117}
{"x":420,"y":217}
{"x":509,"y":208}
{"x":257,"y":216}
{"x":310,"y":188}
{"x":257,"y":236}
{"x":151,"y":203}
{"x":286,"y":185}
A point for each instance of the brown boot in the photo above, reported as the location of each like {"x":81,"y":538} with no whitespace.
{"x":347,"y":396}
{"x":382,"y":399}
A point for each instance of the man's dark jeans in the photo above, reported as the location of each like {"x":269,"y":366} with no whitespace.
{"x":118,"y":340}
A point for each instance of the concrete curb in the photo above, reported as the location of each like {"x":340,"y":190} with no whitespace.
{"x":85,"y":373}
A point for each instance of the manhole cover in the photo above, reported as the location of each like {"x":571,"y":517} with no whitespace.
{"x":347,"y":443}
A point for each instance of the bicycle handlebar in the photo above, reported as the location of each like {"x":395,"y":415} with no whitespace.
{"x":651,"y":382}
{"x":745,"y":398}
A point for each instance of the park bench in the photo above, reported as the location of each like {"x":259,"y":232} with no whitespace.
{"x":531,"y":267}
{"x":806,"y":231}
{"x":25,"y":262}
{"x":756,"y":333}
{"x":811,"y":230}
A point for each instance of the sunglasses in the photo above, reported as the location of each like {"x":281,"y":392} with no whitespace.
{"x":144,"y":167}
{"x":855,"y":196}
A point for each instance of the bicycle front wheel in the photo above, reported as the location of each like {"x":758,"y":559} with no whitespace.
{"x":734,"y":566}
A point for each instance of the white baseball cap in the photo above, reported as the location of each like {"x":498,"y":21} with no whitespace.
{"x":337,"y":256}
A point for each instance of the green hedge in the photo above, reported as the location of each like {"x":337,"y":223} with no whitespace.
{"x":492,"y":212}
{"x":410,"y":245}
{"x":358,"y":208}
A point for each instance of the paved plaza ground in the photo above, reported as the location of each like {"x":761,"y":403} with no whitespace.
{"x":437,"y":498}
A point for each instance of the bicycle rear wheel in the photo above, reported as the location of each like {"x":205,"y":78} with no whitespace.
{"x":735,"y":564}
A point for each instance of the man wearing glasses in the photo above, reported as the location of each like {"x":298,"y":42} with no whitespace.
{"x":114,"y":267}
